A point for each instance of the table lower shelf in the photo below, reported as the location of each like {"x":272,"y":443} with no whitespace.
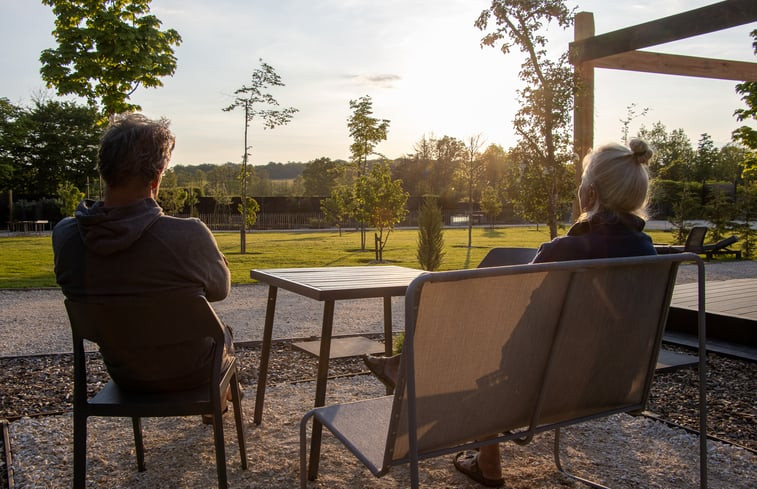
{"x":342,"y":347}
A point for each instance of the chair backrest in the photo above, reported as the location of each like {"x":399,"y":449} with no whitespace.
{"x":695,"y":239}
{"x":496,"y":349}
{"x":121,"y":329}
{"x":500,"y":257}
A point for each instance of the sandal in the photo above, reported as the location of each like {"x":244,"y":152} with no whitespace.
{"x":467,"y":463}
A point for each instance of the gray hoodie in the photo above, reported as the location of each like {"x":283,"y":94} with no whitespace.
{"x":135,"y":251}
{"x":132,"y":253}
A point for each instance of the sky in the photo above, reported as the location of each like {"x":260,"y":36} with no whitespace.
{"x":419,"y":60}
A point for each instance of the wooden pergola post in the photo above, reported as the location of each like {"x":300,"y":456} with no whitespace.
{"x":619,"y":50}
{"x":583,"y":108}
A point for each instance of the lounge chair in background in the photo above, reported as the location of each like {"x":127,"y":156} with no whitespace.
{"x":695,"y":244}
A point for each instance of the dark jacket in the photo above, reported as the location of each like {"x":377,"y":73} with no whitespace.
{"x":604,"y":235}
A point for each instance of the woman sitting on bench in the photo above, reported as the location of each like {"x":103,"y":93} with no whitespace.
{"x":612,"y":197}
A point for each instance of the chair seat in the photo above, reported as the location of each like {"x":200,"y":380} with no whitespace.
{"x":363,"y":427}
{"x":114,"y":401}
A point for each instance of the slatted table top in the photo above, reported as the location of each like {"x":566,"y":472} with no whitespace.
{"x":736,"y":298}
{"x":335,"y":283}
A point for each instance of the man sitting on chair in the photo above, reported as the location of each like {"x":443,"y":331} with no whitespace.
{"x":124,"y":249}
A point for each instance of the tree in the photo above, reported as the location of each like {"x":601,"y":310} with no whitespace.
{"x":12,"y":135}
{"x":380,"y":202}
{"x":670,"y":149}
{"x":546,"y":99}
{"x":631,"y":114}
{"x":171,"y":197}
{"x":69,"y":197}
{"x":54,"y":142}
{"x":705,"y":159}
{"x":250,"y":212}
{"x":748,"y":90}
{"x":258,"y":104}
{"x":491,"y":204}
{"x":449,"y":153}
{"x":320,"y":176}
{"x":683,"y":209}
{"x":730,"y":164}
{"x":527,"y":187}
{"x":366,"y":131}
{"x":746,"y":206}
{"x":720,"y":211}
{"x":106,"y":50}
{"x":336,"y":207}
{"x":430,"y":235}
{"x":497,"y":163}
{"x":470,"y":172}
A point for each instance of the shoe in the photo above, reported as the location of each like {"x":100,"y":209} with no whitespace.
{"x":208,"y":418}
{"x":467,"y":463}
{"x":377,"y":365}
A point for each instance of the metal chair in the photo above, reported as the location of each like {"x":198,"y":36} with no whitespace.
{"x":129,"y":327}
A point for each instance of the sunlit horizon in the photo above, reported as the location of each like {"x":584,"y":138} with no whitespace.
{"x":420,"y":62}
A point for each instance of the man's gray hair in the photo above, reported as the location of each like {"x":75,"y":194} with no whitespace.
{"x":134,"y":148}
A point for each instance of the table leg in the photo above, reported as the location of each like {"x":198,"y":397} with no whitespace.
{"x":265,"y":354}
{"x":388,"y":339}
{"x":320,"y":390}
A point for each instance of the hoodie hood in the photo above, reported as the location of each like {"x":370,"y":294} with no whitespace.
{"x":107,"y":230}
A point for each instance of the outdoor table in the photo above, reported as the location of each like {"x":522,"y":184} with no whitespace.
{"x":328,"y":284}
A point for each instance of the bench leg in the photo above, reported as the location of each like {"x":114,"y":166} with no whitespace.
{"x":566,"y":473}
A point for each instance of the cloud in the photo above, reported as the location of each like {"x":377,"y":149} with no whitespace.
{"x":379,"y":80}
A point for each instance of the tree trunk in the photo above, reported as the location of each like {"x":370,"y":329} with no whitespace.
{"x":242,"y":236}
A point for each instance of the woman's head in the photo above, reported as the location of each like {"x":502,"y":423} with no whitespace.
{"x":135,"y":150}
{"x":615,"y":179}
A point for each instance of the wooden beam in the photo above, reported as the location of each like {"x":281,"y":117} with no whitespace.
{"x":583,"y":103}
{"x":711,"y":18}
{"x":672,"y":64}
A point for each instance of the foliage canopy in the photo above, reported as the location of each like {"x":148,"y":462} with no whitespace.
{"x":106,"y":50}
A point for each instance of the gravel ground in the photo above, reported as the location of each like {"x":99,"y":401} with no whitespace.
{"x":623,"y":451}
{"x":42,"y":311}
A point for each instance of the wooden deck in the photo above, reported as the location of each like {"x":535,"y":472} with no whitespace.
{"x":735,"y":298}
{"x":731,"y":307}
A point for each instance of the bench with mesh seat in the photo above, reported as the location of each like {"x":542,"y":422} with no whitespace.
{"x":517,"y":350}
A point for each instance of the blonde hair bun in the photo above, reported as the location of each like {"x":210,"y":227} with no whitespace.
{"x":641,"y":151}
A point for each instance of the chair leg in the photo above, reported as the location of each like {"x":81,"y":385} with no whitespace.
{"x":136,"y":424}
{"x":566,"y":473}
{"x":236,"y":398}
{"x":220,"y":448}
{"x":304,"y":450}
{"x":80,"y":450}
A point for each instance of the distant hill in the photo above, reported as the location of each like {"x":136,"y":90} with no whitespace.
{"x":273,"y":170}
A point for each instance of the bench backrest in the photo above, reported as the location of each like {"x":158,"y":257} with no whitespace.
{"x":497,"y":349}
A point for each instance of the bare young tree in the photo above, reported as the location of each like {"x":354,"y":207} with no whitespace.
{"x":257,"y":104}
{"x":472,"y":169}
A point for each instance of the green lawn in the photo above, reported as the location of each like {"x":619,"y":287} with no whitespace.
{"x":27,"y":261}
